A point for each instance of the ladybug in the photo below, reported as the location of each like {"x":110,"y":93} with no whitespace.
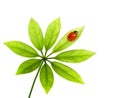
{"x":72,"y":35}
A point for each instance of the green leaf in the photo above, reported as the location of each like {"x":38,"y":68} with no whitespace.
{"x":35,"y":34}
{"x":28,"y":66}
{"x":46,"y":78}
{"x":52,"y":33}
{"x":66,"y":72}
{"x":21,"y":49}
{"x":75,"y":56}
{"x":64,"y":42}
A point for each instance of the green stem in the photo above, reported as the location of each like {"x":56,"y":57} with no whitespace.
{"x":41,"y":53}
{"x":35,"y":80}
{"x":49,"y":61}
{"x":51,"y":58}
{"x":50,"y":54}
{"x":45,"y":52}
{"x":40,"y":56}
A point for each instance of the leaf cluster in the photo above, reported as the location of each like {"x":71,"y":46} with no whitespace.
{"x":40,"y":59}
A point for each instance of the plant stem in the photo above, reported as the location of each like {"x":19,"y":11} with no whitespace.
{"x":48,"y":61}
{"x":50,"y":54}
{"x":45,"y":52}
{"x":41,"y":53}
{"x":40,"y":56}
{"x":35,"y":80}
{"x":51,"y":58}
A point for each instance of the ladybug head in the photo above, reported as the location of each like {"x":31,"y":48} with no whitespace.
{"x":75,"y":31}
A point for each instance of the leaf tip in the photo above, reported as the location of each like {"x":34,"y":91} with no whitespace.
{"x":81,"y":82}
{"x":31,"y":19}
{"x":17,"y":73}
{"x":93,"y":53}
{"x":83,"y":27}
{"x":58,"y":19}
{"x":47,"y":91}
{"x":5,"y":43}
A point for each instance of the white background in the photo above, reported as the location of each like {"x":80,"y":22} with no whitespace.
{"x":101,"y":73}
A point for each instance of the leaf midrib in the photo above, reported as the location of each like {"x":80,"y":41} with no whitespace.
{"x":46,"y":75}
{"x":49,"y":42}
{"x":74,"y":56}
{"x":36,"y":37}
{"x":63,"y":44}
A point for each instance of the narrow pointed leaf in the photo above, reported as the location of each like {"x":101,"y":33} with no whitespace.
{"x":28,"y":66}
{"x":66,"y":72}
{"x":75,"y":56}
{"x":65,"y":43}
{"x":52,"y":33}
{"x":46,"y":78}
{"x":21,"y":48}
{"x":35,"y":34}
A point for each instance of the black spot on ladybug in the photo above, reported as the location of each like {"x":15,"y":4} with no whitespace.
{"x":72,"y":36}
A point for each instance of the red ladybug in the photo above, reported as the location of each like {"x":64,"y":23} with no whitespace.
{"x":72,"y":36}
